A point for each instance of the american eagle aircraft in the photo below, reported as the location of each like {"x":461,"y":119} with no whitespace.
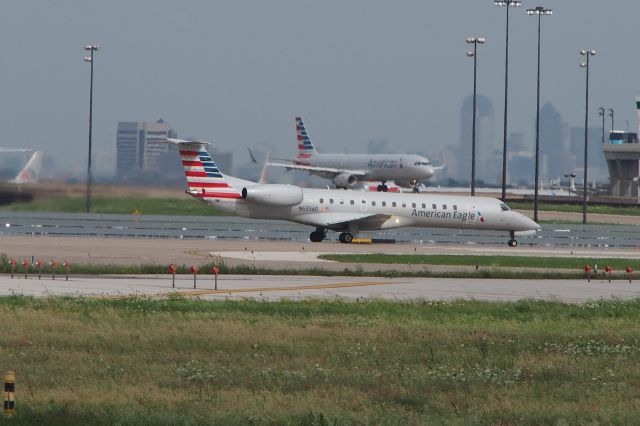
{"x":347,"y":212}
{"x":347,"y":169}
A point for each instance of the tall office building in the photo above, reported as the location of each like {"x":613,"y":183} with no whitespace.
{"x":488,"y":148}
{"x":139,"y":145}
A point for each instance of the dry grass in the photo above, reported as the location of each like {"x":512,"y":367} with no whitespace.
{"x":192,"y":362}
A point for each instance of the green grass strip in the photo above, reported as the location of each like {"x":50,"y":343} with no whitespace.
{"x":119,"y":205}
{"x":576,"y":208}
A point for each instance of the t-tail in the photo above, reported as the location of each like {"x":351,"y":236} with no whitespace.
{"x":30,"y":173}
{"x":305,"y":147}
{"x":204,"y":178}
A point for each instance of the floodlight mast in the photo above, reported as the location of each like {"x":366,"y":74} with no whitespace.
{"x":91,"y":48}
{"x":474,"y":54}
{"x":585,"y":65}
{"x":509,"y":4}
{"x":539,"y":12}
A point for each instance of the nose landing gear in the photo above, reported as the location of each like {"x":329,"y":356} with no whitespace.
{"x":512,"y":241}
{"x":383,"y":187}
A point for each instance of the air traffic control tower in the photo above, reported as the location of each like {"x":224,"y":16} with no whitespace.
{"x":622,"y":153}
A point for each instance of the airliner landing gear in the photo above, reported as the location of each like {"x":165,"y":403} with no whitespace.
{"x":345,"y":237}
{"x":318,"y":235}
{"x":383,"y":187}
{"x":512,"y":241}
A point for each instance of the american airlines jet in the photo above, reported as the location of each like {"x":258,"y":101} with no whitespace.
{"x":30,"y":173}
{"x":346,"y":169}
{"x":347,"y":212}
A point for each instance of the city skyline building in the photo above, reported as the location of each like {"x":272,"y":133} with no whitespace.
{"x":139,"y":145}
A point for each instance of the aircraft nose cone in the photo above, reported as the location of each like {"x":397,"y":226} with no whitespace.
{"x":526,"y":223}
{"x":429,"y":171}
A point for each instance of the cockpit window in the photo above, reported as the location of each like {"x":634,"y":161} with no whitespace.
{"x":504,"y":207}
{"x":422,"y":163}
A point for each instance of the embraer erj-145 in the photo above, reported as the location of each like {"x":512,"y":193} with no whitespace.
{"x":346,"y":169}
{"x":347,"y":212}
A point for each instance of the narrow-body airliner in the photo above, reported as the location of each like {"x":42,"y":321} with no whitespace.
{"x":406,"y":170}
{"x":348,"y":212}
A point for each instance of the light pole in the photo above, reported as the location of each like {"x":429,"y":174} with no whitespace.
{"x":611,"y":115}
{"x":588,"y":54}
{"x":539,"y":12}
{"x":474,"y":55}
{"x":508,"y":4}
{"x":91,"y":48}
{"x":602,"y":114}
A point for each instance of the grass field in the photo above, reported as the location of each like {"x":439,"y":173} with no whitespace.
{"x":486,"y":261}
{"x":84,"y":361}
{"x":119,"y":205}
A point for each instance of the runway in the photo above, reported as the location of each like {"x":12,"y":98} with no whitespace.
{"x":272,"y":254}
{"x":278,"y":287}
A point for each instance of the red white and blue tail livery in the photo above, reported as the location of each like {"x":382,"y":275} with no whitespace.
{"x":205,"y":180}
{"x":305,"y":147}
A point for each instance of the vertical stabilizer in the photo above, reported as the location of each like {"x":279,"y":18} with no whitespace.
{"x":30,"y":173}
{"x":305,"y":147}
{"x":203,"y":176}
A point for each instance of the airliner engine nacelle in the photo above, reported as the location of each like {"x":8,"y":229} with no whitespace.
{"x":345,"y":180}
{"x":273,"y":194}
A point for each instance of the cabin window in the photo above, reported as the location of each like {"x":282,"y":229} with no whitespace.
{"x":384,"y":204}
{"x":424,"y":206}
{"x":404,"y":205}
{"x":413,"y":205}
{"x":321,"y":200}
{"x":393,"y":204}
{"x":373,"y":203}
{"x":341,"y":202}
{"x":363,"y":201}
{"x":433,"y":206}
{"x":455,"y":207}
{"x":444,"y":207}
{"x":330,"y":200}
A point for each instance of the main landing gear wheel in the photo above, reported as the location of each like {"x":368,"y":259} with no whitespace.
{"x":345,"y":237}
{"x":512,"y":243}
{"x":383,"y":188}
{"x":318,"y":235}
{"x":416,"y":190}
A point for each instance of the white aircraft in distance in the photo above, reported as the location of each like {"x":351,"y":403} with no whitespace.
{"x":30,"y":173}
{"x":346,"y":169}
{"x":348,"y":212}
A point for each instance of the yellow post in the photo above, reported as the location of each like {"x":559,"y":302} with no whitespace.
{"x":9,"y":393}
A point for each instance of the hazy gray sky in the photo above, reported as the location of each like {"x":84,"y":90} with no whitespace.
{"x":236,"y":72}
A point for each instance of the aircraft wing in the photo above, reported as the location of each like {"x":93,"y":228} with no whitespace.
{"x":314,"y":169}
{"x":339,"y":221}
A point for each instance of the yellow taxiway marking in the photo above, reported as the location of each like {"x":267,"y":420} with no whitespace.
{"x":300,"y":287}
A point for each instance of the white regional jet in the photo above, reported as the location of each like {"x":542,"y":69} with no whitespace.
{"x":348,"y":212}
{"x":346,"y":169}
